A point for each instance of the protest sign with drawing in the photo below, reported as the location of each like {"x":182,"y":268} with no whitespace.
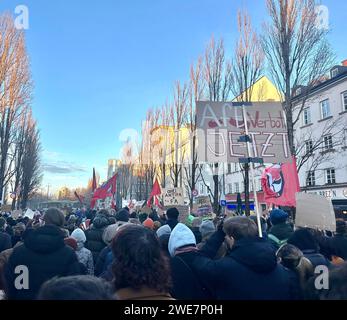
{"x":314,"y":211}
{"x":220,"y":125}
{"x":204,"y":207}
{"x":173,"y":197}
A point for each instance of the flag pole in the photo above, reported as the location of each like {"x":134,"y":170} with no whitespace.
{"x":250,"y":153}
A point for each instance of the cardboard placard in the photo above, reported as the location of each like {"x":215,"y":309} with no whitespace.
{"x":204,"y":207}
{"x":16,"y":214}
{"x":30,"y":214}
{"x":220,"y":125}
{"x":314,"y":211}
{"x":173,"y":197}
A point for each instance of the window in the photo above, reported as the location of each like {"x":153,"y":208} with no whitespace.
{"x":330,"y":176}
{"x":345,"y":138}
{"x":309,"y":146}
{"x":229,"y":168}
{"x":311,"y":178}
{"x":250,"y":186}
{"x":344,"y":100}
{"x":307,"y":116}
{"x":242,"y":187}
{"x":325,"y":108}
{"x":259,"y":186}
{"x":202,"y":189}
{"x":230,"y":188}
{"x":328,"y":143}
{"x":237,"y":187}
{"x":334,"y":72}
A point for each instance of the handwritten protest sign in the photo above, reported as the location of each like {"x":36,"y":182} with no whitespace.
{"x":29,"y":213}
{"x":204,"y":207}
{"x":173,"y":197}
{"x":220,"y":125}
{"x":314,"y":211}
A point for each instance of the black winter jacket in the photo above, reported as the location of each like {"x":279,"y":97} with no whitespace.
{"x":250,"y":271}
{"x":45,"y":256}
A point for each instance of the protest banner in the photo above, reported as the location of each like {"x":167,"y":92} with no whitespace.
{"x":220,"y":125}
{"x":314,"y":211}
{"x":204,"y":207}
{"x":173,"y":197}
{"x":29,"y":213}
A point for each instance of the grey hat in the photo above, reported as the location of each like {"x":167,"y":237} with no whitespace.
{"x":165,"y":229}
{"x":207,"y":227}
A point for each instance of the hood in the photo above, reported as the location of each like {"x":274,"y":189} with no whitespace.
{"x":255,"y":253}
{"x":79,"y":236}
{"x":45,"y":239}
{"x":180,"y":236}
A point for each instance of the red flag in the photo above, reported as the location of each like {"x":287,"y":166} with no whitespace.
{"x":108,"y":189}
{"x":280,"y":184}
{"x":156,"y":191}
{"x":94,"y":181}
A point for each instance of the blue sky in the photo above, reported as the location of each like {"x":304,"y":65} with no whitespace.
{"x":99,"y":65}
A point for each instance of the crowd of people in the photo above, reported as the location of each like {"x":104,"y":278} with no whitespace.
{"x":124,"y":255}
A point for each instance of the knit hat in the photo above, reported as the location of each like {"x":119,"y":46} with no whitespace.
{"x":165,"y":229}
{"x":111,"y":231}
{"x":54,"y":217}
{"x":207,"y":228}
{"x":181,"y":236}
{"x":122,"y":215}
{"x":278,"y":216}
{"x":71,"y":242}
{"x":100,"y":221}
{"x":149,"y":223}
{"x":79,"y":235}
{"x":172,"y":213}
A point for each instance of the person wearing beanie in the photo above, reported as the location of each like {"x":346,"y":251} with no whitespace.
{"x":94,"y":241}
{"x":207,"y":229}
{"x":84,"y":255}
{"x":148,"y":223}
{"x":305,"y":240}
{"x":165,"y":229}
{"x":45,"y":254}
{"x":182,"y":249}
{"x":122,"y":215}
{"x":281,"y":230}
{"x":172,"y":217}
{"x":105,"y":259}
{"x":56,"y":218}
{"x":5,"y":238}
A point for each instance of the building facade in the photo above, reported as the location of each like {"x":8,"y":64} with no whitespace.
{"x":321,"y":135}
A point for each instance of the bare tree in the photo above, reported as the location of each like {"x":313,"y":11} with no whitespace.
{"x":247,"y":67}
{"x":178,"y":117}
{"x":31,"y":166}
{"x":297,"y":52}
{"x":15,"y":92}
{"x":196,"y":93}
{"x":218,"y":78}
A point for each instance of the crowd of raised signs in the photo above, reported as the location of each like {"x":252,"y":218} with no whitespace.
{"x":125,"y":255}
